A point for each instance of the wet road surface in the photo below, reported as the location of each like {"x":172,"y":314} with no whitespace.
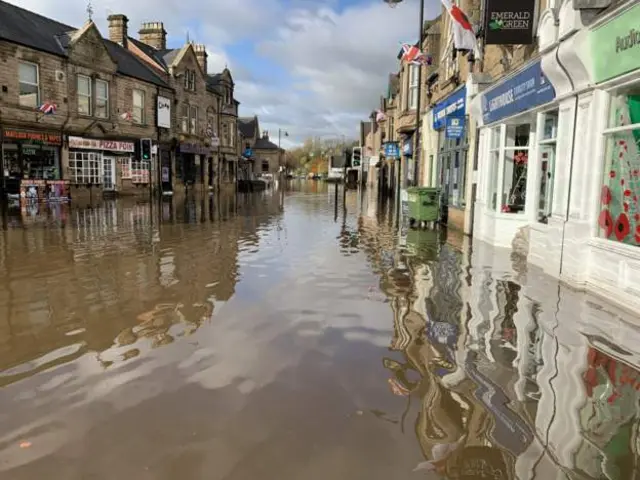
{"x":277,"y":336}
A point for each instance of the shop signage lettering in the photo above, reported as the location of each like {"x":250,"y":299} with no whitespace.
{"x":164,"y":112}
{"x":40,"y":138}
{"x":454,"y":105}
{"x":528,"y":89}
{"x":96,"y":144}
{"x":615,"y":46}
{"x":508,"y":22}
{"x":194,"y":148}
{"x":454,"y":127}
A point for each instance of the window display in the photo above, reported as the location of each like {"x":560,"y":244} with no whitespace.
{"x":619,"y":218}
{"x":515,"y":159}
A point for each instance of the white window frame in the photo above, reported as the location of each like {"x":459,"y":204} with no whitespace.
{"x":37,"y":84}
{"x":104,"y":99}
{"x":88,"y":96}
{"x":504,"y":149}
{"x":542,"y":215}
{"x":140,"y":108}
{"x":140,"y":171}
{"x":193,"y":119}
{"x":88,"y":171}
{"x":185,"y":122}
{"x":412,"y":97}
{"x":125,"y":168}
{"x":494,"y":166}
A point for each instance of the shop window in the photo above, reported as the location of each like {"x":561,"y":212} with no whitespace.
{"x":515,"y":160}
{"x":193,"y":123}
{"x":413,"y":87}
{"x":84,"y":95}
{"x":140,"y":171}
{"x":138,"y":106}
{"x":102,"y":99}
{"x":29,"y":85}
{"x":453,"y":162}
{"x":547,"y":164}
{"x":41,"y":162}
{"x":619,"y":218}
{"x":494,"y":167}
{"x":185,"y":118}
{"x":85,"y":168}
{"x":125,"y":168}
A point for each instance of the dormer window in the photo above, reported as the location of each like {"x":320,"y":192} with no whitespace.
{"x":190,"y":80}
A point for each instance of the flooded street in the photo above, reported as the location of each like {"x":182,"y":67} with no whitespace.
{"x":273,"y":335}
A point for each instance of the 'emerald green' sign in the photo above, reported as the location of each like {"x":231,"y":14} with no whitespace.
{"x":615,"y":46}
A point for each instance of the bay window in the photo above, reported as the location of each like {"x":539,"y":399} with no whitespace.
{"x":547,"y":164}
{"x":619,"y":216}
{"x":29,"y":79}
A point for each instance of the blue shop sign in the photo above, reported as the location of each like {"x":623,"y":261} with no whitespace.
{"x":455,"y":105}
{"x":407,"y":146}
{"x":248,"y":153}
{"x":526,"y":90}
{"x":454,"y":127}
{"x":391,"y":150}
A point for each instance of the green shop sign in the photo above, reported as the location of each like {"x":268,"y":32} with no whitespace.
{"x":615,"y":46}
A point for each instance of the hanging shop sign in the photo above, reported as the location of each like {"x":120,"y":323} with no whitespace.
{"x":164,"y":112}
{"x":248,"y":153}
{"x":32,"y":137}
{"x":615,"y":46}
{"x":407,"y":146}
{"x":509,"y":23}
{"x":528,"y":89}
{"x":97,"y":144}
{"x":454,"y":127}
{"x":392,"y":150}
{"x":454,"y":105}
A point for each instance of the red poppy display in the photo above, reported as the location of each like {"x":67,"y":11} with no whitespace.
{"x":622,"y":227}
{"x":605,"y":195}
{"x":606,"y":223}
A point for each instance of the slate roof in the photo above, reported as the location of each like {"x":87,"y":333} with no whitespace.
{"x":265,"y":144}
{"x":32,"y":30}
{"x":248,"y":126}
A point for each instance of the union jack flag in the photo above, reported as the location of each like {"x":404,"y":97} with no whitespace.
{"x":126,"y":116}
{"x":380,"y":116}
{"x":412,"y":54}
{"x":48,"y":108}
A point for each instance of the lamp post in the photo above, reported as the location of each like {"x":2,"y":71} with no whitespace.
{"x":416,"y":150}
{"x":280,"y":133}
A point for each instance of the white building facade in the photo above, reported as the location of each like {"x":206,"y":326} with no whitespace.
{"x":559,"y":152}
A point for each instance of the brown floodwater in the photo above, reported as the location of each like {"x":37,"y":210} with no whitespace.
{"x":278,"y":335}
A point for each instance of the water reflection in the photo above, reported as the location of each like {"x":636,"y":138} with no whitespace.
{"x":282,"y":335}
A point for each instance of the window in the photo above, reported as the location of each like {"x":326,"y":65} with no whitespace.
{"x":125,"y":168}
{"x":265,"y":166}
{"x":138,"y":106}
{"x":494,"y":167}
{"x":515,"y":160}
{"x":227,"y":96}
{"x":190,"y":80}
{"x":225,"y":134}
{"x":452,"y":162}
{"x":140,"y":171}
{"x":194,"y":120}
{"x":232,"y":135}
{"x":185,"y":118}
{"x":84,"y":95}
{"x":547,"y":165}
{"x":619,"y":218}
{"x":84,"y":168}
{"x":413,"y":87}
{"x":29,"y":85}
{"x":102,"y":99}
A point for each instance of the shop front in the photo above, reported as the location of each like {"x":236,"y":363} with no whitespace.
{"x":192,"y":164}
{"x":32,"y":165}
{"x":449,"y":127}
{"x":517,"y":125}
{"x":113,"y":166}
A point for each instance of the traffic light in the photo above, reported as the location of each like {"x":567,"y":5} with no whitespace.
{"x":145,"y":149}
{"x":356,"y":157}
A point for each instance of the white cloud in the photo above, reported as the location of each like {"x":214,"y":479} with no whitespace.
{"x":338,"y":59}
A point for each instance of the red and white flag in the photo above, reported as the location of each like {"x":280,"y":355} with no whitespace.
{"x":413,"y":55}
{"x":464,"y":37}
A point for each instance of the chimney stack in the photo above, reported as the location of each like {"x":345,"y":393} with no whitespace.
{"x":265,"y":134}
{"x":201,"y":55}
{"x":118,"y":29}
{"x":154,"y":35}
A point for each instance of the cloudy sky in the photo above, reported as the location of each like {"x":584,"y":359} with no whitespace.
{"x":309,"y":67}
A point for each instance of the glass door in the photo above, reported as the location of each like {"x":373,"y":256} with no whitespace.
{"x":109,"y":173}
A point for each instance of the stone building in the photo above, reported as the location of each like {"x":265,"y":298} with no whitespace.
{"x":74,"y":108}
{"x":203,"y":149}
{"x":265,"y":156}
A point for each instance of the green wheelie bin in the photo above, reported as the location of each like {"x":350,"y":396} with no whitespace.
{"x":424,"y":204}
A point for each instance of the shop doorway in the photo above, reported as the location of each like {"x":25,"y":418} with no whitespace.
{"x":166,"y":173}
{"x":109,"y":173}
